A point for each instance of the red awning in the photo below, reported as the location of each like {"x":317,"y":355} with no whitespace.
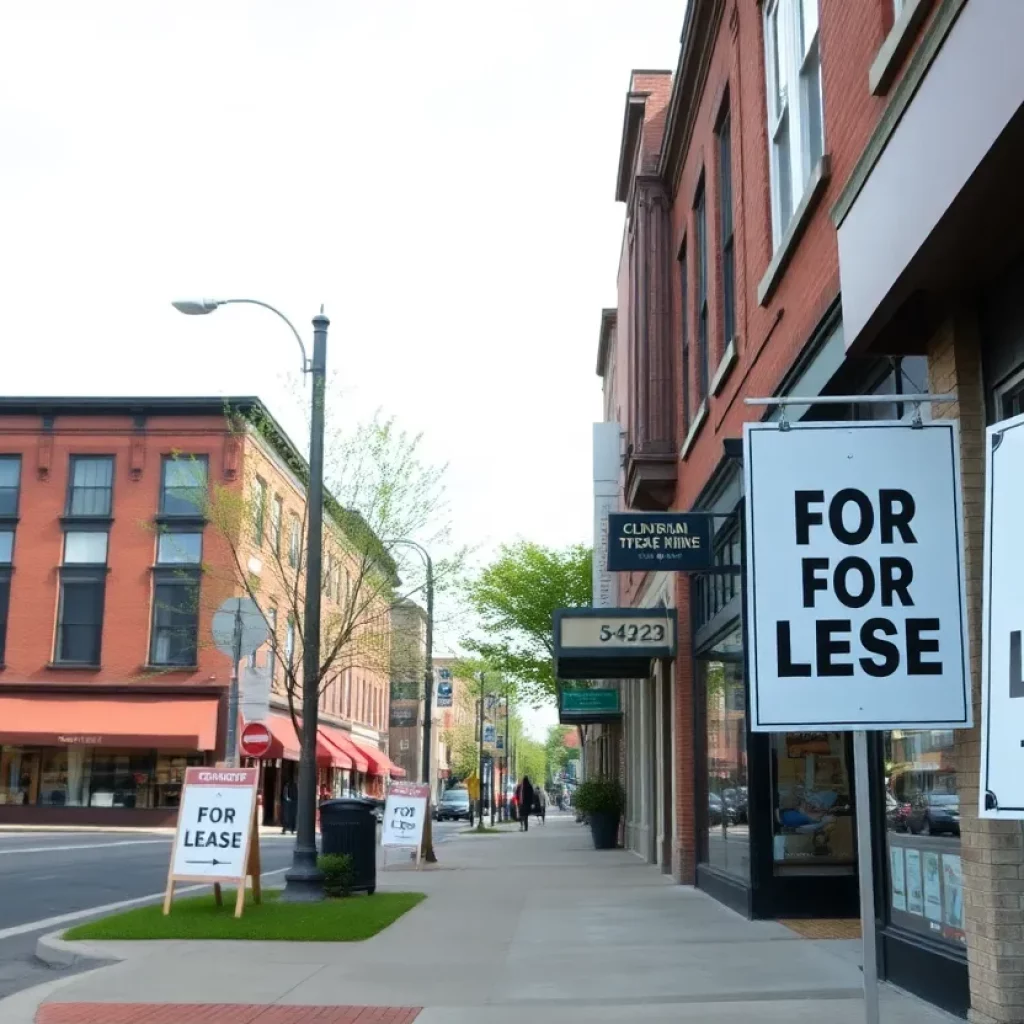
{"x":380,"y":763}
{"x":173,"y":723}
{"x":286,"y":745}
{"x":354,"y":756}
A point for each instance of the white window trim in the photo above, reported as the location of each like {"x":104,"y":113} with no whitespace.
{"x":791,"y":109}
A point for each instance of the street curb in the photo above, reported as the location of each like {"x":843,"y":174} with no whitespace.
{"x":53,"y":951}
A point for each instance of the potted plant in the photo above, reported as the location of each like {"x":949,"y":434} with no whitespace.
{"x":602,"y":800}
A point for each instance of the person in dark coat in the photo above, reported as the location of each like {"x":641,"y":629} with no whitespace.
{"x":289,"y":807}
{"x":526,"y":797}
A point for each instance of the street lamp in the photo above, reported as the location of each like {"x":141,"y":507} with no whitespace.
{"x":304,"y":883}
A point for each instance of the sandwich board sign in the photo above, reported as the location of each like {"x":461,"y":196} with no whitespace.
{"x":1002,"y":671}
{"x":405,"y":812}
{"x":217,"y":839}
{"x":855,"y":577}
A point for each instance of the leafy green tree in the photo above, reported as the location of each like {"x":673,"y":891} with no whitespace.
{"x":557,"y":754}
{"x":515,"y":598}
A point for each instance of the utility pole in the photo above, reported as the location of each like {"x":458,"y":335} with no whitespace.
{"x":303,"y":882}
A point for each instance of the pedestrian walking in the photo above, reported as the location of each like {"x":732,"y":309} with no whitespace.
{"x":541,"y":804}
{"x":525,"y":798}
{"x":289,"y":807}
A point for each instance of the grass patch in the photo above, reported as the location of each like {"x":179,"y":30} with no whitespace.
{"x":199,"y":917}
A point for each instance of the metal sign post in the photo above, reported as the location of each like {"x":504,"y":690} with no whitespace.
{"x":866,"y":875}
{"x":831,"y":511}
{"x":239,"y":629}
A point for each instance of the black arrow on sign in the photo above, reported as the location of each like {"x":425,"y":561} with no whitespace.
{"x":214,"y":861}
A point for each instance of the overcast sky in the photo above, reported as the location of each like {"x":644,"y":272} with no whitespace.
{"x":439,"y":174}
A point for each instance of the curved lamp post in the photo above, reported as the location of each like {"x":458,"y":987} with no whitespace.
{"x":303,"y":880}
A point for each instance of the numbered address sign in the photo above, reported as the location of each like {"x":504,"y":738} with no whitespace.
{"x":612,"y":643}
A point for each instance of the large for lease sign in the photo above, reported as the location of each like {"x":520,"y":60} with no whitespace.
{"x":216,"y":839}
{"x":855,"y":576}
{"x":1002,"y":672}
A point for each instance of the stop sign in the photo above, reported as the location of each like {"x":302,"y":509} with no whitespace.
{"x":255,"y":740}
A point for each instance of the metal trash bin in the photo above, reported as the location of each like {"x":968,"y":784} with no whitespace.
{"x":349,"y":826}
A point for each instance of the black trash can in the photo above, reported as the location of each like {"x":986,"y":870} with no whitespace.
{"x":349,"y":826}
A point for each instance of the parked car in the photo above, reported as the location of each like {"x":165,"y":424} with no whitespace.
{"x":935,"y":814}
{"x":896,"y":813}
{"x":454,"y":806}
{"x":716,"y":809}
{"x":735,"y":800}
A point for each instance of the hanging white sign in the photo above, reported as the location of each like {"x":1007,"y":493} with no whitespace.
{"x":1002,"y":673}
{"x":855,"y":579}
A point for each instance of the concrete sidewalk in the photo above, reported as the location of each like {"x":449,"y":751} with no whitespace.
{"x":539,"y":927}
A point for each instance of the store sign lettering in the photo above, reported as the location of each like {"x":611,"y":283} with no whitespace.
{"x":856,"y":583}
{"x":205,"y":837}
{"x":81,"y":741}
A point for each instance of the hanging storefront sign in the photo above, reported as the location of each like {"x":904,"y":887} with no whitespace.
{"x":660,"y":541}
{"x":403,"y":715}
{"x":585,"y":707}
{"x":855,"y":581}
{"x":1002,"y":670}
{"x":612,"y":643}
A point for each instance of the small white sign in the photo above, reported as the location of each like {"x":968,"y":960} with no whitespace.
{"x":1002,"y":672}
{"x":855,"y":581}
{"x":215,"y":824}
{"x":256,"y":693}
{"x":405,"y":811}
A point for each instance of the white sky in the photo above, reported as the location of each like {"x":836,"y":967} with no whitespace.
{"x":440,"y":174}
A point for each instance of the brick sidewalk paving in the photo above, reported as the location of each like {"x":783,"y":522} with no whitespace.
{"x":220,"y":1013}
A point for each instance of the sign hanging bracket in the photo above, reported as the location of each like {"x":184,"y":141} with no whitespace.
{"x":782,"y":401}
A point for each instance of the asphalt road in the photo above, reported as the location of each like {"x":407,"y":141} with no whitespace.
{"x":46,"y":876}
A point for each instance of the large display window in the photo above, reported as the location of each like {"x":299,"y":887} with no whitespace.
{"x":922,"y":817}
{"x":813,"y":814}
{"x":727,"y":831}
{"x":82,"y":776}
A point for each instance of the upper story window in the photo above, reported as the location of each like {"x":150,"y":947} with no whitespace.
{"x":83,"y":581}
{"x":294,"y":542}
{"x":10,"y":484}
{"x":90,"y":485}
{"x":795,"y":128}
{"x":728,"y":255}
{"x":700,"y":220}
{"x":179,"y":547}
{"x":183,"y":489}
{"x":897,"y":8}
{"x":259,"y":508}
{"x":276,"y":515}
{"x":684,"y":303}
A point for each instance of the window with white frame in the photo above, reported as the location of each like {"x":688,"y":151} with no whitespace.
{"x":795,"y":124}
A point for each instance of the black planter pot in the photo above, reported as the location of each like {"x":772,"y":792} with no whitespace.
{"x":604,"y":828}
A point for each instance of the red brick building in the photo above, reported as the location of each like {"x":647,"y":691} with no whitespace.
{"x":773,"y":148}
{"x":110,"y":572}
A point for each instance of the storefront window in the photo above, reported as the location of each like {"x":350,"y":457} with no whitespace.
{"x":728,"y":825}
{"x":93,"y":777}
{"x":813,"y":812}
{"x":923,"y":830}
{"x":19,"y":775}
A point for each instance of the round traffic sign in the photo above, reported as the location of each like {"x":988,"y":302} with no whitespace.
{"x":255,"y":740}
